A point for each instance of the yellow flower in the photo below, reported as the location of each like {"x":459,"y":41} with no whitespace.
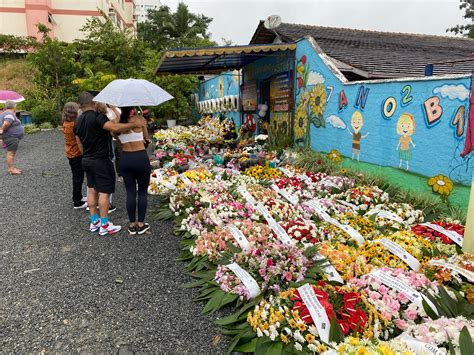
{"x":353,"y":341}
{"x":302,"y":327}
{"x":300,"y":69}
{"x":292,"y":323}
{"x":335,"y":156}
{"x":220,"y":87}
{"x":310,"y":338}
{"x":441,"y":184}
{"x":343,"y":171}
{"x":362,"y":351}
{"x":318,"y":99}
{"x":284,"y":338}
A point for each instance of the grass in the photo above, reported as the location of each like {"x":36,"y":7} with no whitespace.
{"x":15,"y":75}
{"x":402,"y":186}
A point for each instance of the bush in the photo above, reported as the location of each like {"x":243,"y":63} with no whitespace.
{"x":45,"y":111}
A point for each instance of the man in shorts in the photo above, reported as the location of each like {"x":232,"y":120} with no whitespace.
{"x":92,"y":132}
{"x":11,"y":132}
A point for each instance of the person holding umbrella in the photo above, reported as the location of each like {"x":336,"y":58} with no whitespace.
{"x":92,"y":133}
{"x":134,"y":164}
{"x":11,"y":132}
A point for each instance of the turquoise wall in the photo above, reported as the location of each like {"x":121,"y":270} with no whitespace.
{"x":438,"y":108}
{"x":219,"y":86}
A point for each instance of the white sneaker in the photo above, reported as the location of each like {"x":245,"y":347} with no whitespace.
{"x":94,"y":227}
{"x":109,"y":228}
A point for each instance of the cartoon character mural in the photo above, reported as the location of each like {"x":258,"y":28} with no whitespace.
{"x":405,"y":129}
{"x":357,"y":122}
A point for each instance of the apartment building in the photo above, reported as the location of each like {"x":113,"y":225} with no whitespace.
{"x":142,"y":7}
{"x":65,"y":18}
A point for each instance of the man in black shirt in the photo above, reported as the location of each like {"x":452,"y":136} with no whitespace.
{"x":92,"y":132}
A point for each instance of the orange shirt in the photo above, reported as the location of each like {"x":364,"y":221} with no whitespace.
{"x":70,"y":143}
{"x":405,"y":143}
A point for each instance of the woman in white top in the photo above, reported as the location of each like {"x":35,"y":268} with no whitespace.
{"x":135,"y":169}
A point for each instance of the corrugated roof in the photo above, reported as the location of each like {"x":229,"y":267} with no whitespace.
{"x":380,"y":54}
{"x":216,"y":59}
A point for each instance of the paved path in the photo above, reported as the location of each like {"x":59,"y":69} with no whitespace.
{"x":60,"y":285}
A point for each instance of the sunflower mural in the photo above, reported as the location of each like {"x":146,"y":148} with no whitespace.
{"x":220,"y":87}
{"x":310,"y":110}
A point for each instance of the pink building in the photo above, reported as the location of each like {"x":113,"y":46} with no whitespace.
{"x":65,"y":18}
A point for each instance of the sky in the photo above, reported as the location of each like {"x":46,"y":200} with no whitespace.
{"x":236,"y":20}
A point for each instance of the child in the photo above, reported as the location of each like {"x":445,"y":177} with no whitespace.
{"x":405,"y":128}
{"x":74,"y":155}
{"x":357,"y":122}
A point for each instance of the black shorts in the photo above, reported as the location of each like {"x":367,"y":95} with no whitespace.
{"x":100,"y":175}
{"x":10,"y":144}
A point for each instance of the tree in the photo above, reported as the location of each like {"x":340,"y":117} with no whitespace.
{"x":467,"y":30}
{"x":54,"y":68}
{"x":108,"y":50}
{"x":166,"y":29}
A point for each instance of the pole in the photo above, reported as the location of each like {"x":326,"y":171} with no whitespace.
{"x":468,"y":244}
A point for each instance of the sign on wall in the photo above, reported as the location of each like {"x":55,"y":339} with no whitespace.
{"x":280,"y":93}
{"x":249,"y":96}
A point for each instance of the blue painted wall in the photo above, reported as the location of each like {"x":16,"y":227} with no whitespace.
{"x":220,"y":86}
{"x":438,"y":142}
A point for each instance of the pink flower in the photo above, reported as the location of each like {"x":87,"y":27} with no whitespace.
{"x":386,"y":315}
{"x":374,"y":295}
{"x":394,"y":306}
{"x":411,"y":314}
{"x":383,"y":289}
{"x":262,"y":272}
{"x":402,"y":297}
{"x":401,"y":324}
{"x":287,"y":276}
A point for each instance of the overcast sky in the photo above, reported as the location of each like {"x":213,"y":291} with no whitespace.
{"x":237,"y":20}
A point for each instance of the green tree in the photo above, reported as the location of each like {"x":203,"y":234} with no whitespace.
{"x":467,"y":30}
{"x":55,"y":69}
{"x":108,"y":50}
{"x":182,"y":28}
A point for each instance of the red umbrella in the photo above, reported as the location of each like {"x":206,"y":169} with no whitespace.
{"x":7,"y":95}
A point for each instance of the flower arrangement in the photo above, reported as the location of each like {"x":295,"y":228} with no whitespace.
{"x":365,"y":197}
{"x":443,"y":332}
{"x":357,"y":346}
{"x":378,"y":255}
{"x":406,"y":213}
{"x":273,"y":267}
{"x":347,"y":260}
{"x":262,"y":172}
{"x":395,"y":312}
{"x":302,"y":230}
{"x":436,"y":236}
{"x":285,"y":318}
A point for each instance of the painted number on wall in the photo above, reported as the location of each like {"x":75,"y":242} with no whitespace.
{"x":406,"y":95}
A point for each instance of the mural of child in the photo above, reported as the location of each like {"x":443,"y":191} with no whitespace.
{"x":405,"y":128}
{"x":357,"y":122}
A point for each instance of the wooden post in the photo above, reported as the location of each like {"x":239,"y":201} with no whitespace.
{"x":468,"y":244}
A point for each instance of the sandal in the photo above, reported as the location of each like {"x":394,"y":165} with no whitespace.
{"x":15,"y":172}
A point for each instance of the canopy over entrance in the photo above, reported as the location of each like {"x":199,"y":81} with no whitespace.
{"x":212,"y":60}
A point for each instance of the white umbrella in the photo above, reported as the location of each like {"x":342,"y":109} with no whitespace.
{"x":132,"y":92}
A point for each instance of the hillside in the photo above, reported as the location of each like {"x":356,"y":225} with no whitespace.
{"x":15,"y":75}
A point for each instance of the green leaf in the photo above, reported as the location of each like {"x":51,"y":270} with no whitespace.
{"x":263,"y":344}
{"x":465,"y":342}
{"x":275,"y":349}
{"x":429,"y":311}
{"x":213,"y":304}
{"x":335,"y":333}
{"x":247,"y":347}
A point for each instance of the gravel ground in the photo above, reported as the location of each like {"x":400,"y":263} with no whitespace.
{"x":65,"y":289}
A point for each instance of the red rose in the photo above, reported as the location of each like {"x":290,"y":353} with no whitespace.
{"x":269,"y":262}
{"x":303,"y":59}
{"x":319,"y":162}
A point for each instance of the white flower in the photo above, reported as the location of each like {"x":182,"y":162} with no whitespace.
{"x":299,"y":337}
{"x":259,"y":333}
{"x":312,"y":329}
{"x":312,"y":348}
{"x":298,"y":347}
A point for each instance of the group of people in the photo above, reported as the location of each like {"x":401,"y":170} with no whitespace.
{"x":89,"y":129}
